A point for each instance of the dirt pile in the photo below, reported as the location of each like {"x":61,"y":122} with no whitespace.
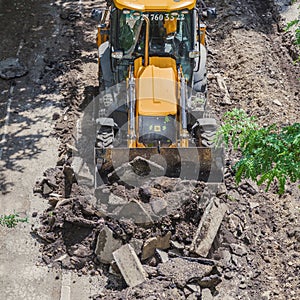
{"x":159,"y":220}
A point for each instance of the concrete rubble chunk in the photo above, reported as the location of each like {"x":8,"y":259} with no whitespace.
{"x":47,"y":189}
{"x":158,"y":205}
{"x":106,"y":245}
{"x":182,"y":271}
{"x":223,"y":89}
{"x":82,"y":172}
{"x":129,"y":265}
{"x":206,"y":294}
{"x":177,"y":245}
{"x":116,"y":200}
{"x":194,"y":287}
{"x":137,"y":245}
{"x":157,"y":242}
{"x":136,"y":212}
{"x":210,"y":281}
{"x":208,"y":227}
{"x":162,"y":255}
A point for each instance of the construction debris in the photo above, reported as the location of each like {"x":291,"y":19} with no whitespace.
{"x":182,"y":271}
{"x":158,"y":242}
{"x":223,"y":89}
{"x":106,"y":245}
{"x":208,"y":227}
{"x":129,"y":265}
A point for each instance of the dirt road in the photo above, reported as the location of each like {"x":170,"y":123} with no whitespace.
{"x":36,"y":36}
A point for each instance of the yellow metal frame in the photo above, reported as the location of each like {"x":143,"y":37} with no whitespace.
{"x":154,"y":5}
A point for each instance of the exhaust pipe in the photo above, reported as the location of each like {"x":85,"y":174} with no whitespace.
{"x":146,"y":58}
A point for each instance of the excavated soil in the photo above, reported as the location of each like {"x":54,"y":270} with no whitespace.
{"x":256,"y":254}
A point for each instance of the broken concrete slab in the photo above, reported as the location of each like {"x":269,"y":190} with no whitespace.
{"x":11,"y":68}
{"x":137,"y":245}
{"x":158,"y":205}
{"x":182,"y":271}
{"x":82,"y":171}
{"x":129,"y":265}
{"x":106,"y":245}
{"x":162,"y":255}
{"x":135,"y":211}
{"x":116,"y":200}
{"x":157,"y":242}
{"x":208,"y":227}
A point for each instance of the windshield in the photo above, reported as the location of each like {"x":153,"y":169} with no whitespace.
{"x":170,"y":34}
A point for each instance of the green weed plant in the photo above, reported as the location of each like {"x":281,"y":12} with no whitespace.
{"x":11,"y":220}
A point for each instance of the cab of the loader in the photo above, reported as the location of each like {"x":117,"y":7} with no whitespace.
{"x":171,"y":35}
{"x":175,"y":30}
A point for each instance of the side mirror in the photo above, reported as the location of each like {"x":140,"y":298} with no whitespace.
{"x":96,"y":15}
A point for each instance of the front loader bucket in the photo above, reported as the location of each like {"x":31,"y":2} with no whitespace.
{"x":205,"y":164}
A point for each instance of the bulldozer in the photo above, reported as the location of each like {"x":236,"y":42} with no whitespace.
{"x":152,"y":115}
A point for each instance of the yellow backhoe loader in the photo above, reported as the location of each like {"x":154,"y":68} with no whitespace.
{"x":152,"y":70}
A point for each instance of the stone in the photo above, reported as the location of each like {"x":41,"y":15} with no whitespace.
{"x":135,"y":211}
{"x":210,"y":281}
{"x":11,"y":68}
{"x":277,"y":102}
{"x":208,"y":227}
{"x":250,"y":187}
{"x":253,"y":205}
{"x":223,"y":89}
{"x":239,"y":250}
{"x":177,"y":245}
{"x":151,"y":271}
{"x":181,"y":271}
{"x":129,"y":265}
{"x":162,"y":255}
{"x":82,"y":172}
{"x":137,"y":245}
{"x":206,"y":295}
{"x":158,"y":205}
{"x":46,"y":189}
{"x":194,"y":287}
{"x":158,"y":242}
{"x":106,"y":245}
{"x":144,"y":194}
{"x":225,"y":257}
{"x":116,"y":200}
{"x":82,"y":251}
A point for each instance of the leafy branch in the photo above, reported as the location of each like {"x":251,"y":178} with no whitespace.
{"x":268,"y":154}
